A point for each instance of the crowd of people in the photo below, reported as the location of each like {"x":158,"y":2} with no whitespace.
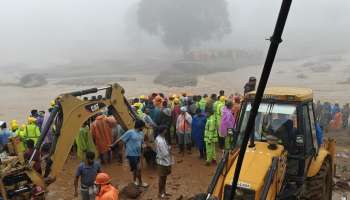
{"x":163,"y":123}
{"x":183,"y":121}
{"x":332,"y":116}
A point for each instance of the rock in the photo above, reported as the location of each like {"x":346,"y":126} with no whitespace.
{"x":131,"y":191}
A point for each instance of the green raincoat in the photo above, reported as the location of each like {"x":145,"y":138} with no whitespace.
{"x":84,"y":143}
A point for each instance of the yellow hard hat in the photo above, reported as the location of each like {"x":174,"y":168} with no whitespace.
{"x":142,"y":97}
{"x":23,"y":126}
{"x":14,"y":124}
{"x":176,"y":101}
{"x":31,"y":120}
{"x":52,"y":103}
{"x":222,"y":98}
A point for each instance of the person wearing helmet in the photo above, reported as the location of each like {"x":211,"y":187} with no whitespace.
{"x":87,"y":172}
{"x":20,"y":133}
{"x":39,"y":118}
{"x":105,"y":190}
{"x":14,"y":126}
{"x":134,"y":142}
{"x":219,"y":105}
{"x":210,"y":137}
{"x":31,"y":131}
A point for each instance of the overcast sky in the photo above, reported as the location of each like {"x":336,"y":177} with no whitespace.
{"x":59,"y":30}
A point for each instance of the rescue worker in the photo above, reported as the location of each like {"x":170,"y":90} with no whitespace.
{"x":20,"y":134}
{"x":105,"y":190}
{"x":84,"y":142}
{"x":219,"y":105}
{"x":14,"y":126}
{"x":101,"y":130}
{"x":203,"y":102}
{"x":210,"y":103}
{"x":31,"y":130}
{"x":38,"y":118}
{"x":210,"y":138}
{"x":138,"y":109}
{"x":221,"y":93}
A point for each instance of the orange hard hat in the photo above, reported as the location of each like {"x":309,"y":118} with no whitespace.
{"x":102,"y":179}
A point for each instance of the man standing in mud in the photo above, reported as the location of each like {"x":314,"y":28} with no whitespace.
{"x":87,"y":172}
{"x":134,"y":142}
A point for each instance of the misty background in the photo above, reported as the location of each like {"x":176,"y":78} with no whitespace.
{"x":36,"y":33}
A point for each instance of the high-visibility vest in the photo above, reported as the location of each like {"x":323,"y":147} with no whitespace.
{"x":31,"y":131}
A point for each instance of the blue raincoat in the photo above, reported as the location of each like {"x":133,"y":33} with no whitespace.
{"x":198,"y":128}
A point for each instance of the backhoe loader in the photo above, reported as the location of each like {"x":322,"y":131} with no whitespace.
{"x":19,"y":181}
{"x":283,"y":160}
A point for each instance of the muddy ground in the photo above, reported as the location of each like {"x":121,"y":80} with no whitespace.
{"x":190,"y":176}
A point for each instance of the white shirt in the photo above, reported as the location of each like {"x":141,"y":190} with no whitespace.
{"x":163,"y":152}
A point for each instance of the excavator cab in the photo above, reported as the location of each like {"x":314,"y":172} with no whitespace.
{"x":283,"y":159}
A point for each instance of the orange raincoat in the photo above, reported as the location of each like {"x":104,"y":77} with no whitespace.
{"x":101,"y":130}
{"x":337,"y":122}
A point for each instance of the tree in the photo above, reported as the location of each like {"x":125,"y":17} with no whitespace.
{"x":184,"y":23}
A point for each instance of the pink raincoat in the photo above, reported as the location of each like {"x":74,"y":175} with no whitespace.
{"x":227,"y":121}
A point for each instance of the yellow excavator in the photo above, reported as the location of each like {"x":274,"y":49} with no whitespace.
{"x":19,"y":181}
{"x":287,"y":157}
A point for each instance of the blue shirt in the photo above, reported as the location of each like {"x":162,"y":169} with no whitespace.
{"x":88,"y":173}
{"x":133,"y":141}
{"x":4,"y":136}
{"x":319,"y":134}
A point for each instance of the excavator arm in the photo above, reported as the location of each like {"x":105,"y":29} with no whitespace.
{"x":71,"y":111}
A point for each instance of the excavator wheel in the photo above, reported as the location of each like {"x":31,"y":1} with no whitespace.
{"x":319,"y":187}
